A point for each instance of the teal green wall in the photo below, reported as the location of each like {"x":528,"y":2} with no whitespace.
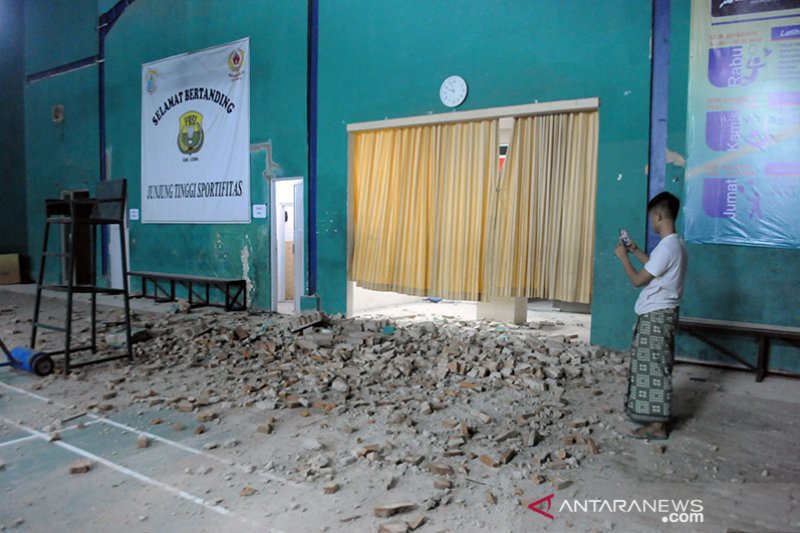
{"x":739,"y":283}
{"x":13,"y":238}
{"x":153,"y":29}
{"x":58,"y":156}
{"x":387,"y":59}
{"x":66,"y":156}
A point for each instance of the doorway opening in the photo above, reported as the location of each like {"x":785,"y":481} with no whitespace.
{"x":287,"y":244}
{"x":490,"y":206}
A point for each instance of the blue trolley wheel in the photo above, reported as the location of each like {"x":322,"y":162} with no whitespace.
{"x":43,"y":365}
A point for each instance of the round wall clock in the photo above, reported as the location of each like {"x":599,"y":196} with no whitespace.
{"x":453,"y":91}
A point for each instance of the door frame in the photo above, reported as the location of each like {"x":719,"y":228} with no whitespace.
{"x":274,"y":212}
{"x":523,"y":110}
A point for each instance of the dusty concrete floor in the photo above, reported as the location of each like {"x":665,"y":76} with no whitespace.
{"x":734,"y":449}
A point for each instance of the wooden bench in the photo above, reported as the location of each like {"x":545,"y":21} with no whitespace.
{"x":235,"y":290}
{"x":700,"y":327}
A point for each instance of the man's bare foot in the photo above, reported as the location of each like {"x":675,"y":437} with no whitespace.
{"x":654,"y":431}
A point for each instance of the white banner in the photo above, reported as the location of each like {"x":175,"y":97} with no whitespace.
{"x":196,"y":137}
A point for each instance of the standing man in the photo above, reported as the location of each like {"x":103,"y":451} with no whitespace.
{"x":649,"y":398}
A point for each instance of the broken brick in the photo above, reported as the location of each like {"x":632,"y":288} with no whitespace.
{"x":508,"y":455}
{"x":442,"y":484}
{"x":207,"y":417}
{"x":80,"y":466}
{"x":440,"y":468}
{"x":396,"y":526}
{"x":591,"y":445}
{"x":488,"y":461}
{"x":391,"y":509}
{"x":416,"y":522}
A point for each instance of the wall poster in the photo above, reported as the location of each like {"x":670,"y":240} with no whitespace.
{"x":196,"y":137}
{"x":743,"y":175}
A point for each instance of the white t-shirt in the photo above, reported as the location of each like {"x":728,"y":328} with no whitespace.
{"x":668,"y":264}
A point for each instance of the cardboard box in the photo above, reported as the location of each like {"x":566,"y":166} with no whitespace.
{"x":9,"y":269}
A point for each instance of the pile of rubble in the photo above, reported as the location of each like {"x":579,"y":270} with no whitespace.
{"x":462,"y":401}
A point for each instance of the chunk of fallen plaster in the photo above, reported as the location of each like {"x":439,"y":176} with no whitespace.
{"x":397,"y":526}
{"x":440,"y":468}
{"x":391,"y":509}
{"x":80,"y":466}
{"x":488,"y":461}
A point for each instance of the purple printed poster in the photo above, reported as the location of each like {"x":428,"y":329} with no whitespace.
{"x":743,"y":175}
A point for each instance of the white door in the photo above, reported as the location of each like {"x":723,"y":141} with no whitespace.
{"x":299,"y":245}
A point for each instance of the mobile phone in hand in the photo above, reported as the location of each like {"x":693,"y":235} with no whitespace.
{"x":623,"y":235}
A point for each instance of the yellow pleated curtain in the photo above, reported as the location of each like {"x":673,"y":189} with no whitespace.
{"x":420,"y":201}
{"x":541,"y":242}
{"x":432,"y":215}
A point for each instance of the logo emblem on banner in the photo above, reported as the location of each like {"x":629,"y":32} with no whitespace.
{"x":191,"y":136}
{"x":235,"y":63}
{"x":150,"y":80}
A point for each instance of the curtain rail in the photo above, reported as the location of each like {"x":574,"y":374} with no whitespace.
{"x":542,"y":108}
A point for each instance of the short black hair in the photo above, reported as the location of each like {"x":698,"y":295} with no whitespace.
{"x":665,"y":202}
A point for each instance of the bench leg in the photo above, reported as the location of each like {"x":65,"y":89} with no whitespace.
{"x":763,"y":358}
{"x":235,"y":297}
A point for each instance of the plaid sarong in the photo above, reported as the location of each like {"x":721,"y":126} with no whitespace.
{"x":649,"y":397}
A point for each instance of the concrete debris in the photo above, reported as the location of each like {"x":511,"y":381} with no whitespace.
{"x":393,"y":527}
{"x":591,"y":445}
{"x":560,"y":484}
{"x":416,"y":522}
{"x":207,"y":417}
{"x":391,"y":509}
{"x":117,"y":339}
{"x":80,"y":466}
{"x":488,"y":461}
{"x":442,"y":484}
{"x":441,"y":469}
{"x":397,"y":397}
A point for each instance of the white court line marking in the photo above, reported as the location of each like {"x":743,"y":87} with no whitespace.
{"x":17,"y":441}
{"x":152,"y":436}
{"x":127,"y":471}
{"x":30,"y":437}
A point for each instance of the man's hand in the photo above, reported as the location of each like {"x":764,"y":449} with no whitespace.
{"x":638,"y":278}
{"x":637,"y":252}
{"x":621,"y":251}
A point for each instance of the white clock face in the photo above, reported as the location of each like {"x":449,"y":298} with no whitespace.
{"x":453,"y":91}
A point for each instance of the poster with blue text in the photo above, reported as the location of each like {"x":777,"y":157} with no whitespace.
{"x":743,"y":174}
{"x":196,"y":137}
